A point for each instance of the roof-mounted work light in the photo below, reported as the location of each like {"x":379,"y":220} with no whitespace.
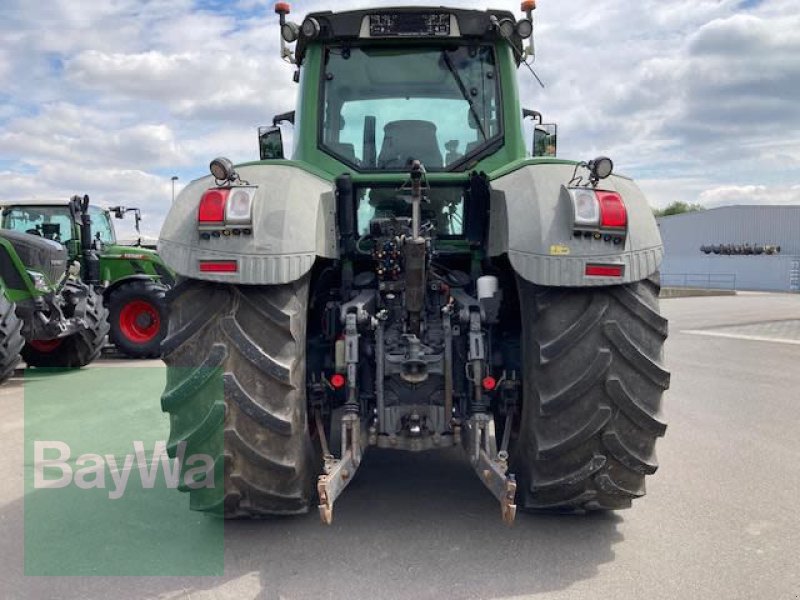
{"x":289,"y":31}
{"x":528,"y":6}
{"x":311,"y":28}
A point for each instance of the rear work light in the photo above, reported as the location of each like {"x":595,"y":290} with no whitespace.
{"x":596,"y":210}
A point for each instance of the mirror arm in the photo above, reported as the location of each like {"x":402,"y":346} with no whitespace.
{"x":533,"y":114}
{"x":287,"y":117}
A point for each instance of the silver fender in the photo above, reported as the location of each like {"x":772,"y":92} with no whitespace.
{"x":531,"y":220}
{"x":293,"y":223}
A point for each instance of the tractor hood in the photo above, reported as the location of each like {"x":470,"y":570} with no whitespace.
{"x":39,"y":254}
{"x":117,"y":251}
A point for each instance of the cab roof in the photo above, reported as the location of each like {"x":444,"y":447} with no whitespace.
{"x":350,"y":26}
{"x":8,"y":203}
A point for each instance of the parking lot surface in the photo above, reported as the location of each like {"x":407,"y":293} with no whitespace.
{"x":719,"y":519}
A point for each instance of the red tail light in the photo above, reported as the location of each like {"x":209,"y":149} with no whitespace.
{"x":489,"y":383}
{"x":218,"y":266}
{"x":212,"y":206}
{"x":604,"y":270}
{"x":613,"y":214}
{"x":337,"y":381}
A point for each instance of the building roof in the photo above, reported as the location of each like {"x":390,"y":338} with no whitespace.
{"x":739,"y":224}
{"x":739,"y":209}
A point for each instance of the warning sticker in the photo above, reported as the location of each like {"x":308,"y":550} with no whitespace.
{"x":559,"y":250}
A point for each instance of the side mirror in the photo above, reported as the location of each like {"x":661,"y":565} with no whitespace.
{"x":545,"y":139}
{"x":119,"y":211}
{"x":270,"y":142}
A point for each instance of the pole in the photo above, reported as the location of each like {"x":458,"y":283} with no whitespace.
{"x":174,"y":179}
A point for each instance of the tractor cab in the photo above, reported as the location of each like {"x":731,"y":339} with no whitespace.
{"x":382,"y":88}
{"x":55,"y":222}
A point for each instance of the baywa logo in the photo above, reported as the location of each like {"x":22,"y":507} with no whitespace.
{"x":52,"y":468}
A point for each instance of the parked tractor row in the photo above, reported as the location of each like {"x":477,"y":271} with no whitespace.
{"x":67,"y":284}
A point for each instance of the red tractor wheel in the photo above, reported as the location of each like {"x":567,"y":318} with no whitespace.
{"x":139,"y":321}
{"x":138,"y":318}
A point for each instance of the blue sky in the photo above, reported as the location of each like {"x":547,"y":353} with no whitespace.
{"x":696,"y":99}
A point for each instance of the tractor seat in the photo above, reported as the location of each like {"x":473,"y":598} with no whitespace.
{"x":406,"y":141}
{"x":347,"y":151}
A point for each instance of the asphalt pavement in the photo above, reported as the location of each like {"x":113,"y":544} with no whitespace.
{"x":720,"y":518}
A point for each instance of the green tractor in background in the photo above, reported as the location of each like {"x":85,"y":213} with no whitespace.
{"x":48,"y":314}
{"x":134,"y":279}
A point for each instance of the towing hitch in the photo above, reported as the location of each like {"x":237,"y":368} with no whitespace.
{"x":491,"y":465}
{"x":338,"y":472}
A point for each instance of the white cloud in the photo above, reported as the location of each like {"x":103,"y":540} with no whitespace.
{"x":697,"y":99}
{"x":72,"y":134}
{"x":750,"y":194}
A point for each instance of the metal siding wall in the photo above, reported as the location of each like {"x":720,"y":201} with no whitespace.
{"x":684,"y":234}
{"x":763,"y":273}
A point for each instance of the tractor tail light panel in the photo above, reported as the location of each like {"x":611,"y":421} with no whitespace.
{"x":239,"y":209}
{"x":212,"y":207}
{"x":598,"y":210}
{"x":585,"y":208}
{"x":226,"y":207}
{"x":613,"y":214}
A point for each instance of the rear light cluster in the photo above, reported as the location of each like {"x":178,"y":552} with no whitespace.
{"x":599,"y":214}
{"x":226,"y":211}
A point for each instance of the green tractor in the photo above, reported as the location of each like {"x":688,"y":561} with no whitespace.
{"x":133,"y":278}
{"x":48,"y":314}
{"x":414,"y":278}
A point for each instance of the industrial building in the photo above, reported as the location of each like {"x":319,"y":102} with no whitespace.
{"x":733,"y":247}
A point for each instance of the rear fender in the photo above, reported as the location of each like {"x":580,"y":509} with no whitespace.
{"x":107,"y":291}
{"x":293,"y":223}
{"x":531,"y":221}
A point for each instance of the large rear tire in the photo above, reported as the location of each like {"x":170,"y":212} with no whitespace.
{"x":11,"y":340}
{"x":254,"y":424}
{"x":138,"y":318}
{"x":592,"y":395}
{"x":78,"y":349}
